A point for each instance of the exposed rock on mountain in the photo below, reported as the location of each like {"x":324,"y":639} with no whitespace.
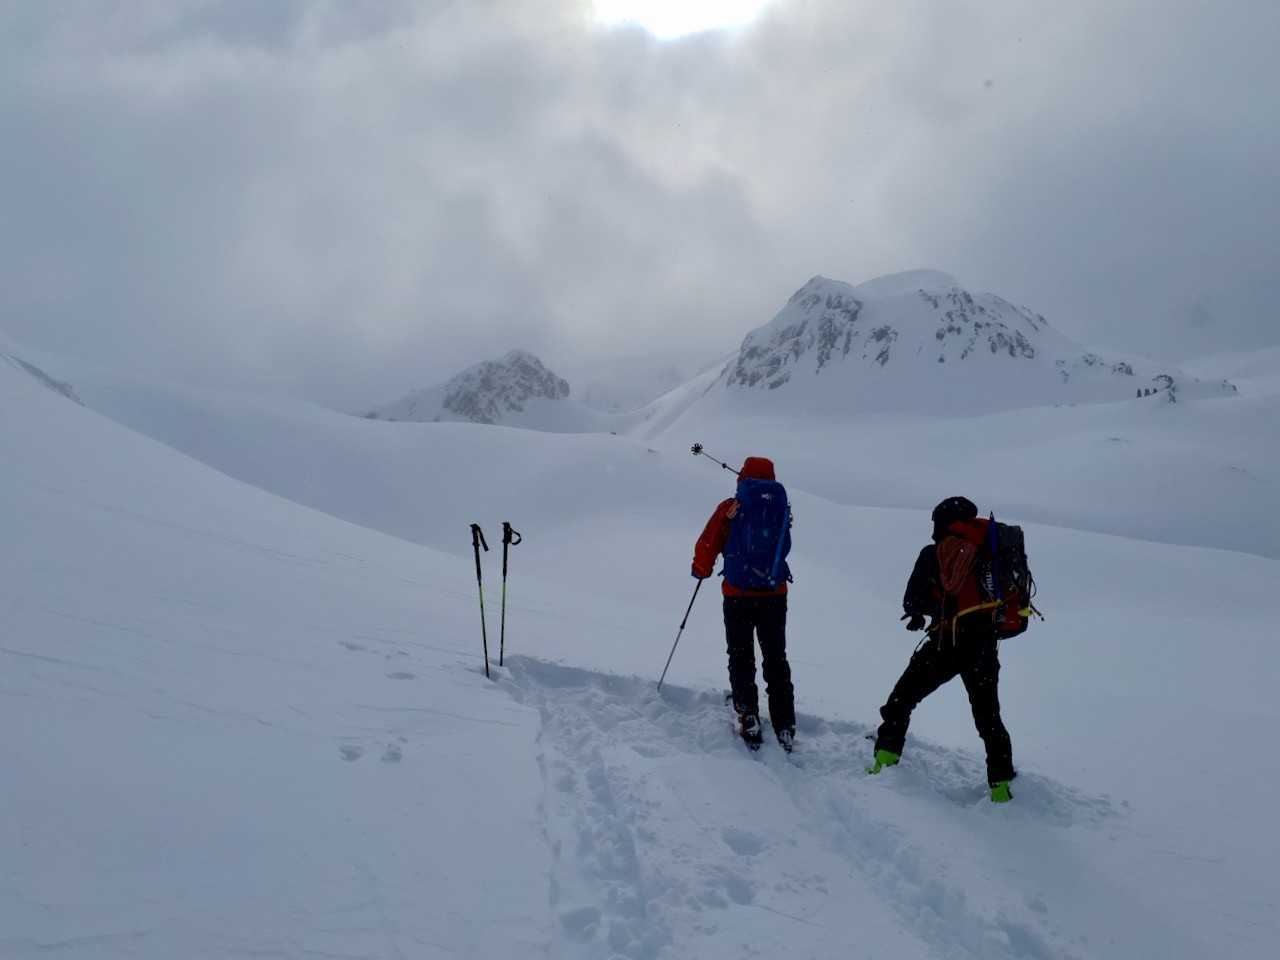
{"x":57,"y":386}
{"x":489,"y":392}
{"x":920,"y":342}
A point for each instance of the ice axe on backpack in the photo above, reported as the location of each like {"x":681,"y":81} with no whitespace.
{"x":697,"y":450}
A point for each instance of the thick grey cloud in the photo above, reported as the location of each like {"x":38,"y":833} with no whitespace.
{"x":349,"y":201}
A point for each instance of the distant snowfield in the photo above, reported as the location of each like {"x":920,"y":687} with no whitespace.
{"x":245,"y":710}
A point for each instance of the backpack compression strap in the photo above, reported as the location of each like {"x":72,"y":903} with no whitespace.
{"x":995,"y":556}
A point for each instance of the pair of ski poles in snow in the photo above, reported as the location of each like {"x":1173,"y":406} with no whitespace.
{"x":510,"y":538}
{"x":697,"y":451}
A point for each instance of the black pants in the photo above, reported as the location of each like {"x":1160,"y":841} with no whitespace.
{"x":765,"y":618}
{"x":972,"y":654}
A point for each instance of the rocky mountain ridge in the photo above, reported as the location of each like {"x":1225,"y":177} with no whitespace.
{"x":915,"y":342}
{"x":488,"y":392}
{"x":908,"y":341}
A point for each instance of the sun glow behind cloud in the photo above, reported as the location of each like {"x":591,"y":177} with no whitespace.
{"x":669,"y":19}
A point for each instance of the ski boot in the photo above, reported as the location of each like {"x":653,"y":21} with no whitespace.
{"x":883,"y":758}
{"x":751,"y":731}
{"x":787,"y":738}
{"x":1000,"y":792}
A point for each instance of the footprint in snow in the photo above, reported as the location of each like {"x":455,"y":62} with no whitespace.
{"x":741,"y":842}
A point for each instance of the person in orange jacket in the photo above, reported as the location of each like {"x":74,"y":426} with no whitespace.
{"x":755,"y":596}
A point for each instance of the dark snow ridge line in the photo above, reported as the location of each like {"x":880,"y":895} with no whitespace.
{"x":57,"y":386}
{"x":640,"y":798}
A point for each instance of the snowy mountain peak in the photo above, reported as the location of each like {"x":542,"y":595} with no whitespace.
{"x":919,"y":341}
{"x":488,"y":392}
{"x":818,"y":322}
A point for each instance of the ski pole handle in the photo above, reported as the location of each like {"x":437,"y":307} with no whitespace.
{"x":510,"y":538}
{"x":478,"y":541}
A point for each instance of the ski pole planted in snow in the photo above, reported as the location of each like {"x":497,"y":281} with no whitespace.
{"x":478,"y":541}
{"x":510,"y":538}
{"x":678,"y":632}
{"x":697,"y":450}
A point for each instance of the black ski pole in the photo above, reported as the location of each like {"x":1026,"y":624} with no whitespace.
{"x":478,"y":541}
{"x":510,"y":538}
{"x":697,"y":449}
{"x":678,"y":632}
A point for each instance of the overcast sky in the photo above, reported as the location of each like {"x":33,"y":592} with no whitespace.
{"x":347,"y":201}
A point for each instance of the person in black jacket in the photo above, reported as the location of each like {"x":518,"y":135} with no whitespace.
{"x":959,"y":641}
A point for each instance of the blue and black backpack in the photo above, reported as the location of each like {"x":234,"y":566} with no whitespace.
{"x":755,"y":556}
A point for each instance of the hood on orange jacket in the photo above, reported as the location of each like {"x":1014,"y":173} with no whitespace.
{"x":757,"y":468}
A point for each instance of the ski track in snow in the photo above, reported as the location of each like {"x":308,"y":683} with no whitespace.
{"x":663,"y":831}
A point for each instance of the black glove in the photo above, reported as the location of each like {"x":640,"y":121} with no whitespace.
{"x":916,"y":622}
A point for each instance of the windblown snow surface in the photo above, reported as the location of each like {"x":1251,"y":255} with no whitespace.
{"x":245,"y":710}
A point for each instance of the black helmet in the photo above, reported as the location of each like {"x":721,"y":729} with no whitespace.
{"x":949,"y":511}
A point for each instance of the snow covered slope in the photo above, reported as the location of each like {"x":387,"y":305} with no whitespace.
{"x":234,"y":726}
{"x":212,"y":743}
{"x":1254,"y":372}
{"x":625,"y":385}
{"x":1197,"y":472}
